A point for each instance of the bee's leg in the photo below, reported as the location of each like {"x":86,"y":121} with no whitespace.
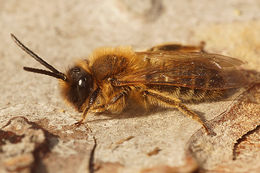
{"x":98,"y":109}
{"x":154,"y":97}
{"x":118,"y":102}
{"x":115,"y":105}
{"x":92,"y":100}
{"x":178,"y":47}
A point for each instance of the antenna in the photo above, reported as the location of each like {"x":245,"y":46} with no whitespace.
{"x":54,"y":72}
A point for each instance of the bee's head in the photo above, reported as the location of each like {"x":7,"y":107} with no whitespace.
{"x":76,"y":85}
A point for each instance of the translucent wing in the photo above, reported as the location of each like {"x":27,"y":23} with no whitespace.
{"x":186,"y":69}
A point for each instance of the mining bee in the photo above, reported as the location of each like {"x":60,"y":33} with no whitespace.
{"x":166,"y":75}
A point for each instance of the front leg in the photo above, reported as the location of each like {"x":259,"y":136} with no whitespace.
{"x":92,"y":100}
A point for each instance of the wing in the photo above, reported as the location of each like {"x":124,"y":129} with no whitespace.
{"x":195,"y":70}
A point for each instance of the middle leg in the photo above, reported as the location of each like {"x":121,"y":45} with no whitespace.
{"x":115,"y":104}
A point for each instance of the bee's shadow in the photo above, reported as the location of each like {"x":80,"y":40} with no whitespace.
{"x":130,"y":112}
{"x":137,"y":111}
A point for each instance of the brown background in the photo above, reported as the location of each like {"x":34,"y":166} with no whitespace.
{"x":64,"y":31}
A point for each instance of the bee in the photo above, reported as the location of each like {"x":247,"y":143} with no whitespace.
{"x":167,"y":75}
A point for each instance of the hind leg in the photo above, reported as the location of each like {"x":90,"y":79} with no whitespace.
{"x":159,"y":99}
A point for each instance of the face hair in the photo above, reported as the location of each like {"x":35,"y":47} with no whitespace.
{"x":54,"y":72}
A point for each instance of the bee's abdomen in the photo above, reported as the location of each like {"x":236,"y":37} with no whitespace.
{"x":186,"y":94}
